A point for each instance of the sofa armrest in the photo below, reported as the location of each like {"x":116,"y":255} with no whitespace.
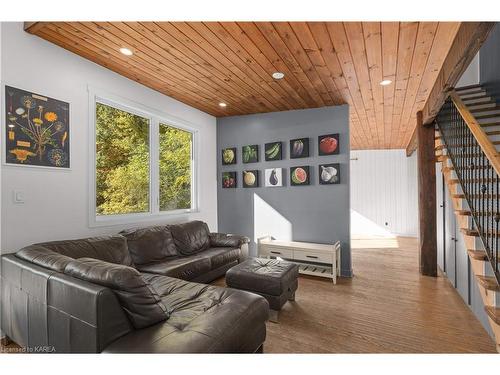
{"x":231,"y":240}
{"x":227,"y":240}
{"x":65,"y":314}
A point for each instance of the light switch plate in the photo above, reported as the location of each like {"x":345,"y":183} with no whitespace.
{"x":18,"y":196}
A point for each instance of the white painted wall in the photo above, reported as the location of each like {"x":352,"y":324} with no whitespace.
{"x":56,"y":205}
{"x":383,"y":190}
{"x":471,"y":74}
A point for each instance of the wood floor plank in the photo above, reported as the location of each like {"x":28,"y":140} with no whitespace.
{"x":388,"y":307}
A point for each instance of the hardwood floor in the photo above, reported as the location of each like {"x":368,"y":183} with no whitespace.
{"x":388,"y":307}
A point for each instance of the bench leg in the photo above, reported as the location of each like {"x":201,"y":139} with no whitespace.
{"x":292,"y":297}
{"x":273,"y":316}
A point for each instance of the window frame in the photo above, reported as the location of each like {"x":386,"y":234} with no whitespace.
{"x":155,"y":118}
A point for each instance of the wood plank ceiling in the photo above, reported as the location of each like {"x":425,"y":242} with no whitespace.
{"x":325,"y":64}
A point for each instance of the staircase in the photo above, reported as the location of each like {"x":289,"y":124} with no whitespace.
{"x":484,"y":109}
{"x":468,"y":146}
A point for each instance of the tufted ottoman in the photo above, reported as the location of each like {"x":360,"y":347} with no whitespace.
{"x":273,"y":279}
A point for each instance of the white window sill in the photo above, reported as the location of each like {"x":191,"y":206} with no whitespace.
{"x":112,"y":220}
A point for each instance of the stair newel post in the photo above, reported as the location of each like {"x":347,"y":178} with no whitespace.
{"x":426,"y":198}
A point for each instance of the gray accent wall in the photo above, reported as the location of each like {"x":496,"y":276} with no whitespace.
{"x":489,"y":62}
{"x":314,"y":213}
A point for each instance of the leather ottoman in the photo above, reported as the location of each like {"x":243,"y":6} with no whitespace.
{"x":273,"y":279}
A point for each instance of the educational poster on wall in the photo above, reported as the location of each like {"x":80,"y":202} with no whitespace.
{"x":37,"y":130}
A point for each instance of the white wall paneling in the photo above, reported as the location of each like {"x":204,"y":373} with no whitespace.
{"x":56,"y":201}
{"x":383,"y":193}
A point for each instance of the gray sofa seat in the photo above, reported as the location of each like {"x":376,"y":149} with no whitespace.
{"x":203,"y":319}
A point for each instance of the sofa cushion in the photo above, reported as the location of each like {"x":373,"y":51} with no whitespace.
{"x":185,"y":268}
{"x":111,"y":249}
{"x":220,"y":256}
{"x":203,"y":319}
{"x":137,"y":297}
{"x":44,"y":257}
{"x":191,"y":237}
{"x":147,"y":245}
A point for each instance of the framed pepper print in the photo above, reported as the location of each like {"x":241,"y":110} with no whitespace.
{"x":37,"y":130}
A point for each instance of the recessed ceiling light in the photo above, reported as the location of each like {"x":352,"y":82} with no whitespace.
{"x":385,"y":82}
{"x":222,"y":104}
{"x":126,"y":51}
{"x":278,"y":75}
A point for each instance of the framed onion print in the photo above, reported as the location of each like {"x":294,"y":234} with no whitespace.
{"x":37,"y":130}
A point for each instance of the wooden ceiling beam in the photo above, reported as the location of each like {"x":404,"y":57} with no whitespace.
{"x":469,"y":38}
{"x":413,"y":143}
{"x":34,"y":27}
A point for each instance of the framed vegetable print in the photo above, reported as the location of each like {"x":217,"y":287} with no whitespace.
{"x":37,"y":130}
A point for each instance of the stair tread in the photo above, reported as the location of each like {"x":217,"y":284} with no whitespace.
{"x":456,"y":180}
{"x":468,"y":87}
{"x":483,"y":95}
{"x":459,"y":195}
{"x":488,"y":124}
{"x":463,"y":212}
{"x":488,"y":282}
{"x":475,"y":233}
{"x":488,"y":109}
{"x":485,"y":106}
{"x":478,"y":254}
{"x":486,"y":116}
{"x":493,"y":132}
{"x":493,"y":313}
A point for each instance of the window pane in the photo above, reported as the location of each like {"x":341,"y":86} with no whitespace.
{"x":122,"y":157}
{"x":175,"y":168}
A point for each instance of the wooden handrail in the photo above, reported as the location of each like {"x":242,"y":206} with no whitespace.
{"x":484,"y":142}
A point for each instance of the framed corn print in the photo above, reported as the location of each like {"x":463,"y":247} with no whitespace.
{"x":37,"y":130}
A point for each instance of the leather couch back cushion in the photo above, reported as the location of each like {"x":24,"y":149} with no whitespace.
{"x":111,"y":249}
{"x":148,"y":245}
{"x":137,"y":297}
{"x":191,"y":237}
{"x":44,"y":257}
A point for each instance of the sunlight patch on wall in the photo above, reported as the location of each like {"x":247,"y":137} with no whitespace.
{"x":362,"y":226}
{"x":267,"y":221}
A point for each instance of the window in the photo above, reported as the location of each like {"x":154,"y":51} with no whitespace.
{"x":122,"y":162}
{"x":143,"y":163}
{"x":175,"y":168}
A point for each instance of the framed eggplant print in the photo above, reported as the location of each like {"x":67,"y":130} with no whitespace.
{"x":328,"y":144}
{"x":273,"y":177}
{"x":299,"y":148}
{"x":37,"y":130}
{"x":229,"y":156}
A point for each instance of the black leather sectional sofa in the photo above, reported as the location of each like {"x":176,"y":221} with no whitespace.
{"x":139,"y":291}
